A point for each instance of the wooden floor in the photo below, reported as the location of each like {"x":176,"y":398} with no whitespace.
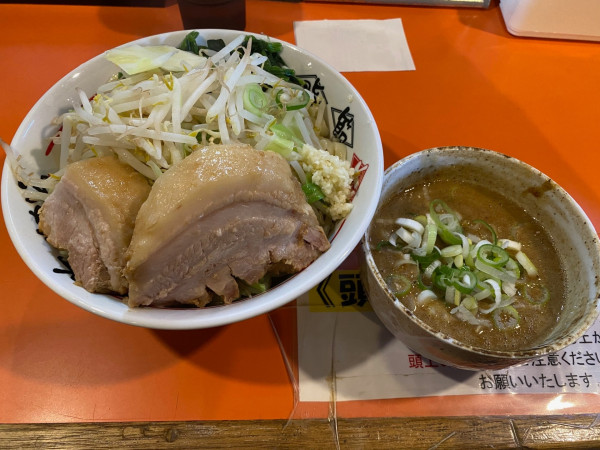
{"x":545,"y":432}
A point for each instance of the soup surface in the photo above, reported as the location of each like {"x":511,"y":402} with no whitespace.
{"x":483,"y":292}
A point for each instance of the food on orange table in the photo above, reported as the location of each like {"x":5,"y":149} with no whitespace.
{"x":91,"y":214}
{"x":164,"y":106}
{"x":226,"y":214}
{"x":470,"y":263}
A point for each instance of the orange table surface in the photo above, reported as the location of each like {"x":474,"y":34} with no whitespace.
{"x":474,"y":84}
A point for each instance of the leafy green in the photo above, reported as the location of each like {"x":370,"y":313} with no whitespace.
{"x":189,"y":43}
{"x":213,"y":44}
{"x":274,"y":63}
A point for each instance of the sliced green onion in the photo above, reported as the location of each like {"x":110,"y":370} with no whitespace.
{"x":502,"y":275}
{"x":459,"y":261}
{"x":475,"y":249}
{"x":426,"y":295}
{"x":285,"y":133}
{"x":421,"y":284}
{"x":506,"y":318}
{"x":513,"y":267}
{"x":497,"y":296}
{"x":446,"y":221}
{"x":489,"y":228}
{"x":509,"y":289}
{"x":255,"y":99}
{"x":450,"y":295}
{"x":412,"y":239}
{"x":442,"y":277}
{"x":426,"y":260}
{"x":421,"y":219}
{"x":465,"y":244}
{"x":509,"y":244}
{"x":527,"y":264}
{"x":398,"y":284}
{"x":536,"y":293}
{"x":411,"y":224}
{"x":430,"y":236}
{"x":292,"y":100}
{"x":464,"y":281}
{"x":279,"y":145}
{"x":312,"y":192}
{"x":428,"y":272}
{"x":492,"y":255}
{"x":484,"y":293}
{"x":451,"y":251}
{"x":470,"y":303}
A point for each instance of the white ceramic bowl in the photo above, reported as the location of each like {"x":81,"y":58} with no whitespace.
{"x":32,"y":137}
{"x":572,"y":232}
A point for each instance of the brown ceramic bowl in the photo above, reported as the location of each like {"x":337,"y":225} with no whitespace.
{"x":573,"y":234}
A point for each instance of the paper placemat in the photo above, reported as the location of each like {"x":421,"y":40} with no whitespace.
{"x":357,"y":45}
{"x":340,"y":336}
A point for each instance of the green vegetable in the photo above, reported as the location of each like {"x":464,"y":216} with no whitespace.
{"x":212,"y":44}
{"x":506,"y":318}
{"x":398,"y":284}
{"x":135,"y":58}
{"x":285,"y":133}
{"x":463,"y":280}
{"x":274,"y":63}
{"x":426,"y":259}
{"x":536,"y":293}
{"x":489,"y":228}
{"x":313,"y":192}
{"x":248,"y":290}
{"x":292,"y":100}
{"x":255,"y":99}
{"x":189,"y":43}
{"x":421,"y":284}
{"x":446,"y":225}
{"x":492,"y":255}
{"x":282,"y":146}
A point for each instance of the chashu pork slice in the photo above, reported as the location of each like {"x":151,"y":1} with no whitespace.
{"x":91,"y":214}
{"x":224,"y":213}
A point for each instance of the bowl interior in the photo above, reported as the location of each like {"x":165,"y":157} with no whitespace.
{"x":31,"y":140}
{"x":572,"y":232}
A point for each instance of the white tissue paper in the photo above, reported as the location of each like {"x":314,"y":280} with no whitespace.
{"x":357,"y":45}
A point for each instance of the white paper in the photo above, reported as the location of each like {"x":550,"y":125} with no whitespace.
{"x":357,"y":45}
{"x":368,"y":362}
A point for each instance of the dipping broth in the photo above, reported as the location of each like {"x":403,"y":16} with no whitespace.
{"x":523,"y":318}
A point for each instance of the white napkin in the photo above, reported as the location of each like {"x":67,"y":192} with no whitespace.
{"x":357,"y":45}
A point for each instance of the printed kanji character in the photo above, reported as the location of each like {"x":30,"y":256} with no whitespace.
{"x":553,"y":359}
{"x":351,"y":290}
{"x":415,"y":361}
{"x":501,"y":381}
